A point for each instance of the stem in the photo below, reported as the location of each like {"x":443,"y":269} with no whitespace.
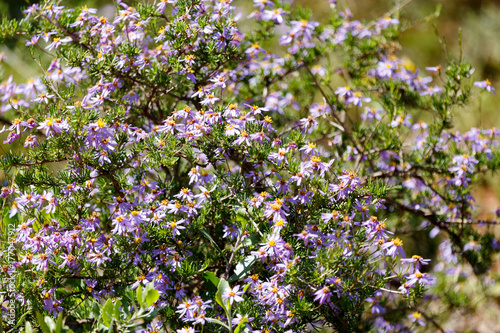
{"x":228,"y":266}
{"x":222,"y":324}
{"x":229,"y":319}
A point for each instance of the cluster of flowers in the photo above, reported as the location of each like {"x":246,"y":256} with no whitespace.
{"x":161,"y":178}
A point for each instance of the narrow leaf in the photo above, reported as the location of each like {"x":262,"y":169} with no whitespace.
{"x":43,"y":326}
{"x":139,"y":295}
{"x":206,"y":234}
{"x":117,"y":309}
{"x":59,"y":323}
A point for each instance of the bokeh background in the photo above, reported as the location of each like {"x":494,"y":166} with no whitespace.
{"x":479,"y":21}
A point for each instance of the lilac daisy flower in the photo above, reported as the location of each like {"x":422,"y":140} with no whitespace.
{"x":486,"y":84}
{"x":233,"y":294}
{"x":323,"y":295}
{"x":416,"y":317}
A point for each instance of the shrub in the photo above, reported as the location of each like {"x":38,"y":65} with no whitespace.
{"x":169,"y":172}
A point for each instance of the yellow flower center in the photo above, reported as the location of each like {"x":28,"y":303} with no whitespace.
{"x":398,"y":242}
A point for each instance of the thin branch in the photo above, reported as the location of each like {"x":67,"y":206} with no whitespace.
{"x":389,"y":13}
{"x":340,"y":127}
{"x":397,"y":292}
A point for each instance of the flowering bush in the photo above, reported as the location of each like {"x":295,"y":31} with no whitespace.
{"x":171,"y":172}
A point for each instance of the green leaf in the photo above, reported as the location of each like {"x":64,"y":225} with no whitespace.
{"x":28,"y":328}
{"x":245,"y":288}
{"x":250,"y":240}
{"x":95,"y":310}
{"x":126,"y":307}
{"x":117,"y":309}
{"x":241,"y":216}
{"x":51,"y":323}
{"x":148,"y":287}
{"x":139,"y":295}
{"x":43,"y":326}
{"x":111,"y":328}
{"x":221,"y":288}
{"x":150,"y":315}
{"x":107,"y":312}
{"x":205,"y":265}
{"x":152,"y":296}
{"x":243,"y":268}
{"x":220,"y":323}
{"x":206,"y":234}
{"x":21,"y":320}
{"x":59,"y":323}
{"x":211,"y":282}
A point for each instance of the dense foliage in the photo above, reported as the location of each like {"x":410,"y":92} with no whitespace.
{"x":169,"y":172}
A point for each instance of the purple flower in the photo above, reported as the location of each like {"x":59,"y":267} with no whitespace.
{"x":431,"y":91}
{"x":370,"y":114}
{"x":279,"y":156}
{"x":416,"y":317}
{"x":239,"y":318}
{"x":31,"y":10}
{"x":43,"y":97}
{"x":210,"y":99}
{"x":175,"y":226}
{"x":69,"y":260}
{"x":57,"y":42}
{"x":356,"y":99}
{"x":486,"y":84}
{"x":435,"y":69}
{"x":401,"y":120}
{"x":186,"y":309}
{"x":52,"y":126}
{"x":345,"y":92}
{"x":261,"y":4}
{"x":141,"y":279}
{"x":275,"y":15}
{"x":231,"y":231}
{"x":31,"y":141}
{"x":394,"y":247}
{"x":304,"y":196}
{"x":13,"y":136}
{"x":421,"y":278}
{"x":43,"y":261}
{"x":419,"y":125}
{"x":275,"y":210}
{"x":32,"y":41}
{"x":323,"y":295}
{"x":233,"y":294}
{"x":416,"y":262}
{"x":186,"y":330}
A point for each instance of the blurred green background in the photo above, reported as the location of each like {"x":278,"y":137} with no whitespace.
{"x":480,"y":24}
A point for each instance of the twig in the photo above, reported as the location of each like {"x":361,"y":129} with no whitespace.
{"x":340,"y":127}
{"x":389,"y":13}
{"x":397,"y":292}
